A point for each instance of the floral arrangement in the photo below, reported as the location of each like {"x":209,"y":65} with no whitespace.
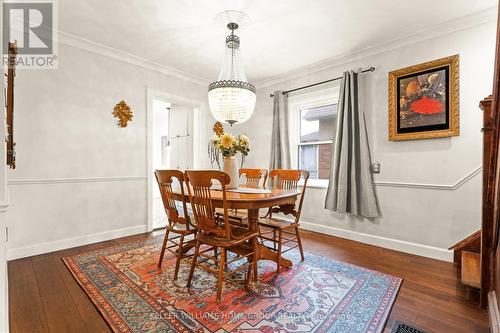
{"x":227,"y":145}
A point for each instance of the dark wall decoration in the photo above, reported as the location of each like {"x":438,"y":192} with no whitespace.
{"x":424,"y":100}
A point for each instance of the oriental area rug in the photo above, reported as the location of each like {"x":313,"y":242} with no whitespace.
{"x":317,"y":295}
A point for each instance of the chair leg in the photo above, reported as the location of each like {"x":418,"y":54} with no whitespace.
{"x":179,"y":256}
{"x":220,"y":277}
{"x":280,"y":237}
{"x":216,"y":251}
{"x":260,"y":233}
{"x":225,"y":260}
{"x":255,"y":245}
{"x":248,"y":278}
{"x":274,"y":238}
{"x":300,"y":243}
{"x":193,"y":263}
{"x":163,"y":247}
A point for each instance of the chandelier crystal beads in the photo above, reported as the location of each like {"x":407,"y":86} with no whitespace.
{"x":231,"y":97}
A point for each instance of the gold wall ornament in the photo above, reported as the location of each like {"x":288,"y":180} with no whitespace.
{"x":424,"y":100}
{"x":218,"y":128}
{"x":123,"y":112}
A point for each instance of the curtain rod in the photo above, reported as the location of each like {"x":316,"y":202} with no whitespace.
{"x":371,"y":69}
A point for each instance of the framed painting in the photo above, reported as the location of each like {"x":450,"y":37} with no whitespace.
{"x":424,"y":100}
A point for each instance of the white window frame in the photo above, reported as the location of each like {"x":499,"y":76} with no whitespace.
{"x":295,"y":105}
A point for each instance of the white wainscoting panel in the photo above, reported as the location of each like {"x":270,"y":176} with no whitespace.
{"x":46,"y":247}
{"x":65,"y":213}
{"x":388,"y":243}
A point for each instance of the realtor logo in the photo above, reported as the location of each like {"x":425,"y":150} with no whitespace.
{"x":31,"y":25}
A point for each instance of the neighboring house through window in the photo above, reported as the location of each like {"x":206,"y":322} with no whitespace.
{"x":317,"y":132}
{"x":313,"y":127}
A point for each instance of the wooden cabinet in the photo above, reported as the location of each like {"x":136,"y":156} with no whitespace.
{"x":490,"y":253}
{"x":488,"y":195}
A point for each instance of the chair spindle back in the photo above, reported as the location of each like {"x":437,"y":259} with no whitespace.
{"x":289,"y":180}
{"x":165,"y":179}
{"x":254,"y":176}
{"x":198,"y":184}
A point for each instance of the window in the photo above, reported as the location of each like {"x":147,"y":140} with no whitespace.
{"x":317,"y":126}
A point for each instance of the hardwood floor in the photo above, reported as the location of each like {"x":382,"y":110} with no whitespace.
{"x":44,"y":297}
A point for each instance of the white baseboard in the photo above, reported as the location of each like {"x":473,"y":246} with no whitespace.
{"x":40,"y":248}
{"x":389,"y":243}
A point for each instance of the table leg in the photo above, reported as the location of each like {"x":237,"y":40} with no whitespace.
{"x":263,"y":252}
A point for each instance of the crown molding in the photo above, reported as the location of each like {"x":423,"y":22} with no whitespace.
{"x":461,"y":23}
{"x":103,"y":50}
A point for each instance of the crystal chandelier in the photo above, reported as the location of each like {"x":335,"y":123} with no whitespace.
{"x":231,"y":97}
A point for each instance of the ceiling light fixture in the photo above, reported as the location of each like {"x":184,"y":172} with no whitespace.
{"x":232,"y":98}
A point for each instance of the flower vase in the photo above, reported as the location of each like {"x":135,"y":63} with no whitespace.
{"x":231,"y":168}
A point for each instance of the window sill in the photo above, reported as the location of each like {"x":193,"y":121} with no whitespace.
{"x":316,"y":183}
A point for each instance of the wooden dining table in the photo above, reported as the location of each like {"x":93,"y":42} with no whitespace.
{"x":252,"y":202}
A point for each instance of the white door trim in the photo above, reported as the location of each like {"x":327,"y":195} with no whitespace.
{"x":152,"y":94}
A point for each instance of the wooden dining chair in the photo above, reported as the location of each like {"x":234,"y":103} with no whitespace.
{"x":216,"y":232}
{"x":178,"y":226}
{"x":278,"y":230}
{"x":253,"y":177}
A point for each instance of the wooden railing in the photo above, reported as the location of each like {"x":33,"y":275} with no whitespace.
{"x":471,"y":243}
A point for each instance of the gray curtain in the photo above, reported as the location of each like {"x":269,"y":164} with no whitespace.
{"x":280,"y":146}
{"x":351,"y":189}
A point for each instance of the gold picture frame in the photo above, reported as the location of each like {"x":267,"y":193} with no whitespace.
{"x":424,"y":100}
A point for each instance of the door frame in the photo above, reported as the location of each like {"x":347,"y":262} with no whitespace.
{"x":152,"y":94}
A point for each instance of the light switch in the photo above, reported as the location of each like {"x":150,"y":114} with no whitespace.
{"x":376,"y":167}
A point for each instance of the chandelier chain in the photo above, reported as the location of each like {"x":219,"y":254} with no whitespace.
{"x":232,"y":56}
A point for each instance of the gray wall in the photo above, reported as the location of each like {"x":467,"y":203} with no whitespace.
{"x":80,"y":178}
{"x":423,"y":211}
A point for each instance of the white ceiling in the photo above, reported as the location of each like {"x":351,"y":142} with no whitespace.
{"x":283,"y":34}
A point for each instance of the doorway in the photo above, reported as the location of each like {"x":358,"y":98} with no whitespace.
{"x":171,"y":145}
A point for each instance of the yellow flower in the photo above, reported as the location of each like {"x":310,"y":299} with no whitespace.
{"x":226,"y":140}
{"x":216,"y":138}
